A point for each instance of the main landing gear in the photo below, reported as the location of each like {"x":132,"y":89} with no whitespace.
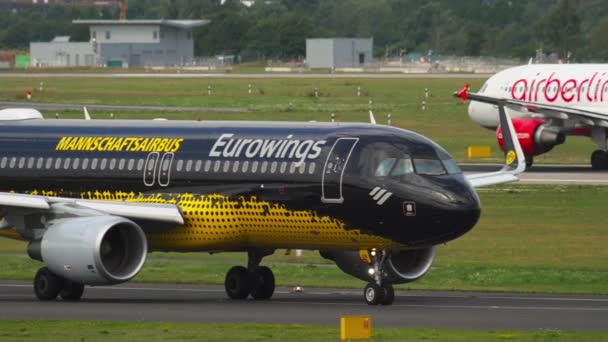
{"x":599,"y":160}
{"x":47,"y":286}
{"x":255,"y":280}
{"x":379,"y":291}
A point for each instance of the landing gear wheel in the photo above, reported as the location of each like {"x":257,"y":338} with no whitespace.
{"x":599,"y":160}
{"x":263,"y":285}
{"x":237,"y":283}
{"x":46,"y":284}
{"x":71,"y":291}
{"x":373,"y":294}
{"x":529,"y":162}
{"x":389,"y":295}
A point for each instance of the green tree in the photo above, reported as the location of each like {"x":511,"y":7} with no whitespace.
{"x":561,"y":28}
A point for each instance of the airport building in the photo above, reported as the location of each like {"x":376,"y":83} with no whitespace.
{"x":339,"y":52}
{"x":123,"y":43}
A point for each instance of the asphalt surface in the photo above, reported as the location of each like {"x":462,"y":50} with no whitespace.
{"x":549,"y":174}
{"x":90,"y":107}
{"x":149,"y":302}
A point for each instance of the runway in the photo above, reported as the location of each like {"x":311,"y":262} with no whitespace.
{"x":209,"y":304}
{"x":549,"y":174}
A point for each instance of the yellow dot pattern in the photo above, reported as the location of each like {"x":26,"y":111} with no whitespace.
{"x":216,"y":222}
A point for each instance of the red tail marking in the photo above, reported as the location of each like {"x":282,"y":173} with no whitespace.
{"x":463,"y":92}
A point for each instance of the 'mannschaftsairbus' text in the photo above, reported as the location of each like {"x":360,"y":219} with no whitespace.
{"x":119,"y":144}
{"x":228,"y":147}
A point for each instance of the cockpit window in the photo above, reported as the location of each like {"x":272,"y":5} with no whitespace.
{"x":385,"y":167}
{"x":403,"y":167}
{"x":483,"y":89}
{"x":395,"y":167}
{"x":451,"y":166}
{"x":432,"y":167}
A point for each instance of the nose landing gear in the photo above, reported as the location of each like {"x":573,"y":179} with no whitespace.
{"x":379,"y":291}
{"x":255,"y":280}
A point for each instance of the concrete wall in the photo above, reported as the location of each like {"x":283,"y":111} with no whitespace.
{"x":173,"y":47}
{"x":62,"y":54}
{"x":352,"y":53}
{"x":319,"y":53}
{"x":339,"y":52}
{"x":125,"y":33}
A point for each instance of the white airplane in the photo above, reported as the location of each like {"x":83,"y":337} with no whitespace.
{"x":548,"y":102}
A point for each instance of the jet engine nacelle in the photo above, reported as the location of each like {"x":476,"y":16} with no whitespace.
{"x":401,"y":267}
{"x":93,"y":250}
{"x":534,"y":136}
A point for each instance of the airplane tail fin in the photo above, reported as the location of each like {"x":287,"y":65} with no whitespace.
{"x":462,"y":93}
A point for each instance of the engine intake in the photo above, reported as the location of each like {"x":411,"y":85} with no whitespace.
{"x":401,"y":267}
{"x":94,"y":250}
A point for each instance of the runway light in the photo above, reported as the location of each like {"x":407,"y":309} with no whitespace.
{"x":371,"y":271}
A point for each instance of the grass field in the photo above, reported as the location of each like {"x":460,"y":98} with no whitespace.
{"x":529,"y":239}
{"x":12,"y":330}
{"x":445,"y":119}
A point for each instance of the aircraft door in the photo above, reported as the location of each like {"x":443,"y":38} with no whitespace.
{"x":164,"y":172}
{"x":333,"y":171}
{"x":150,"y":168}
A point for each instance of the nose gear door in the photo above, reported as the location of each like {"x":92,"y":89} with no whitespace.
{"x":333,"y":171}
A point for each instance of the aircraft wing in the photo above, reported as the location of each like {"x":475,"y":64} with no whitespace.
{"x":542,"y":110}
{"x":166,"y":213}
{"x":515,"y":161}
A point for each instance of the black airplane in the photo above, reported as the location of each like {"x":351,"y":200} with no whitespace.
{"x":93,"y":197}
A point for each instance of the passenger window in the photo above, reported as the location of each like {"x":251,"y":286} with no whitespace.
{"x":49,"y":162}
{"x":66,"y":163}
{"x":189,"y":165}
{"x":197,"y":166}
{"x":76,"y":163}
{"x":85,"y":163}
{"x":94,"y":162}
{"x":21,"y":162}
{"x":131,"y":164}
{"x":180,"y":165}
{"x":432,"y":167}
{"x":385,"y":167}
{"x":57,"y":163}
{"x":39,"y":163}
{"x":121,"y":164}
{"x":30,"y":162}
{"x":311,"y":168}
{"x":403,"y":167}
{"x":3,"y":163}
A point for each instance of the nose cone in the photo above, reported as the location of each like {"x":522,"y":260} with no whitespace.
{"x":451,"y":209}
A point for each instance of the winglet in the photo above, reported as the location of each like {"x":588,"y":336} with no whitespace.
{"x":372,"y":119}
{"x":86,"y":114}
{"x":462,"y":93}
{"x":515,"y":160}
